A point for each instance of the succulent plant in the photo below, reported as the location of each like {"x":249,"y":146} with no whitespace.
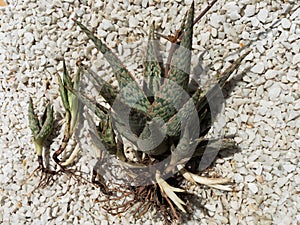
{"x":40,"y":128}
{"x":165,"y":120}
{"x":72,"y":107}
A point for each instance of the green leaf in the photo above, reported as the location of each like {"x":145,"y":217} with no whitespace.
{"x":107,"y":91}
{"x":152,"y":69}
{"x":47,"y":127}
{"x":33,"y":120}
{"x":91,"y":104}
{"x":75,"y":104}
{"x":132,"y":94}
{"x":181,"y":60}
{"x":63,"y":94}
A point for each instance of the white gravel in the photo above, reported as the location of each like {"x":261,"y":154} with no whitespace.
{"x":262,"y":110}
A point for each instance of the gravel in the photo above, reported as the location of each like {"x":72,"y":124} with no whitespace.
{"x":262,"y":108}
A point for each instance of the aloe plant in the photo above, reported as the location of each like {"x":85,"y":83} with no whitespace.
{"x":40,"y":128}
{"x":165,"y":120}
{"x":72,"y":107}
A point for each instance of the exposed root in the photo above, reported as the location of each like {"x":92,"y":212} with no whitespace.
{"x":218,"y":183}
{"x":138,"y":200}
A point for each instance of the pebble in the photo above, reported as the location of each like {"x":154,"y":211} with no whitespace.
{"x":258,"y":68}
{"x":29,"y":37}
{"x":133,"y":22}
{"x":286,"y":23}
{"x":262,"y":15}
{"x":270,"y":74}
{"x":295,"y":14}
{"x":106,"y":25}
{"x":281,"y":181}
{"x":216,"y":20}
{"x":253,"y":188}
{"x":296,"y":59}
{"x":250,"y":10}
{"x":274,"y":91}
{"x":289,"y":167}
{"x":249,"y":178}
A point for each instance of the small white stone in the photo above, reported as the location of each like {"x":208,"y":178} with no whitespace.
{"x":234,"y":16}
{"x":211,"y":207}
{"x":144,"y":3}
{"x":286,"y":23}
{"x":258,"y":68}
{"x":251,"y":135}
{"x":94,"y":21}
{"x":274,"y":91}
{"x":262,"y":15}
{"x":268,"y":176}
{"x":297,"y":142}
{"x":106,"y":25}
{"x":296,"y":59}
{"x":270,"y":74}
{"x":249,"y":10}
{"x":216,"y":20}
{"x":238,"y":178}
{"x":295,"y":47}
{"x":297,"y":179}
{"x":254,"y":22}
{"x":204,"y":38}
{"x":289,"y":167}
{"x":133,"y":22}
{"x":260,"y":91}
{"x":253,"y":188}
{"x":123,"y":31}
{"x":249,"y":178}
{"x":295,"y":14}
{"x":29,"y":37}
{"x":282,"y":181}
{"x":234,"y":205}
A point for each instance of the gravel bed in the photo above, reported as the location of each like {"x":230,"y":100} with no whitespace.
{"x":262,"y":107}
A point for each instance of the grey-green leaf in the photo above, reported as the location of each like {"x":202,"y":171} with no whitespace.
{"x":33,"y":120}
{"x":47,"y":127}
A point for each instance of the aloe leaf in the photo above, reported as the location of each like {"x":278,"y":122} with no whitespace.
{"x":33,"y":120}
{"x":152,"y":139}
{"x":215,"y":145}
{"x":184,"y":150}
{"x":152,"y":69}
{"x":179,"y":74}
{"x":63,"y":94}
{"x":38,"y":144}
{"x":47,"y":126}
{"x":174,"y":125}
{"x":213,"y":87}
{"x":133,"y":94}
{"x":107,"y":91}
{"x":75,"y":104}
{"x":91,"y":104}
{"x":181,"y":60}
{"x":66,"y":77}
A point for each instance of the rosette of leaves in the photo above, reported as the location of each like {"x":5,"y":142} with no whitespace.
{"x":41,"y":128}
{"x":72,"y":107}
{"x":156,"y":128}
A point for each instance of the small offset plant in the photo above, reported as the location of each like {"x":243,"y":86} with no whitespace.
{"x":164,"y":121}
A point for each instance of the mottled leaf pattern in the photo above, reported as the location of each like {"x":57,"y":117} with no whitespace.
{"x":132,"y":94}
{"x":181,"y":61}
{"x":33,"y":120}
{"x":152,"y":69}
